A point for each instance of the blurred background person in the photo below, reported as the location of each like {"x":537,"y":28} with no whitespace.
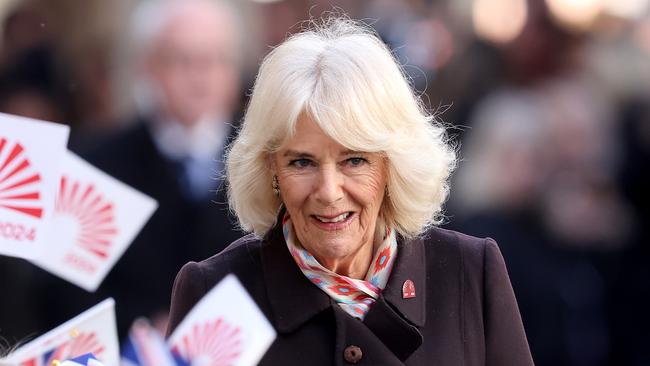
{"x":39,"y":35}
{"x":544,"y":144}
{"x":187,"y":58}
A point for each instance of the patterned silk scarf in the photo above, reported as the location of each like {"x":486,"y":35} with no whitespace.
{"x":354,"y":296}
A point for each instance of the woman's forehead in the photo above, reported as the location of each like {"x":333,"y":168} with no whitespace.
{"x":308,"y":137}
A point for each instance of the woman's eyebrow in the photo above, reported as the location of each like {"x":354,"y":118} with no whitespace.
{"x":301,"y":154}
{"x":297,"y":154}
{"x":351,"y":152}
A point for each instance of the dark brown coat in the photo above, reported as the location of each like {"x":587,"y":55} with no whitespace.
{"x":464,"y":312}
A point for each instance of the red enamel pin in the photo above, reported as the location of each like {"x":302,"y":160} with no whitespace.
{"x":408,"y":289}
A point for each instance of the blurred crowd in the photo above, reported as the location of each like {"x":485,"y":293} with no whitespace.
{"x":548,"y":102}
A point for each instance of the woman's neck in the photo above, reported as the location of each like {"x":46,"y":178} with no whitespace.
{"x":354,"y":266}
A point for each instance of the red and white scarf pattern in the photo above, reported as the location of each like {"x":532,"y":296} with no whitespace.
{"x":354,"y":296}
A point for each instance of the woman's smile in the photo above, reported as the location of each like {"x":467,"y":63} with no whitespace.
{"x":333,"y":223}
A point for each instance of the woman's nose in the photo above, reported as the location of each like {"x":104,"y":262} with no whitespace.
{"x":329,"y":187}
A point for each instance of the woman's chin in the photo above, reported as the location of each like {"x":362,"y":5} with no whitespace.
{"x":332,"y":249}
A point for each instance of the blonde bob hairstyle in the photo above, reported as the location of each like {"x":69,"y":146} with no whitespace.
{"x":343,"y":77}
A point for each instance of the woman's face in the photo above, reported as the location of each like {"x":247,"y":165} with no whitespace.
{"x":333,"y":194}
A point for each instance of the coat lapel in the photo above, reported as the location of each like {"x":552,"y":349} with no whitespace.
{"x":294,"y":299}
{"x":410,"y":265}
{"x":393,"y":318}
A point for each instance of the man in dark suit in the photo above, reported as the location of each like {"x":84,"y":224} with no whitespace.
{"x":188,"y":73}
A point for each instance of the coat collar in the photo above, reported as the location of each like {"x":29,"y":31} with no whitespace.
{"x":295,"y":300}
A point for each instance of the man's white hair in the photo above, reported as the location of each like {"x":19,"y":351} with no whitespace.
{"x":151,"y":16}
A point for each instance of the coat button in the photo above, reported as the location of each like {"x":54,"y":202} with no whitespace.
{"x":352,"y":354}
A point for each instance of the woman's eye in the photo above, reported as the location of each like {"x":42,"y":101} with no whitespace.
{"x":300,"y":163}
{"x":357,"y":161}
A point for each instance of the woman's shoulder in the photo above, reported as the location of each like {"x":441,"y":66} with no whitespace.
{"x":240,"y":256}
{"x":195,"y":279}
{"x":450,"y":239}
{"x":471,"y":253}
{"x":473,"y":270}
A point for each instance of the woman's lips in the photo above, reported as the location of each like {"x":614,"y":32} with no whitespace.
{"x":332,"y":223}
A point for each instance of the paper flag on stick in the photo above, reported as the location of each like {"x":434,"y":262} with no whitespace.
{"x":225,"y":328}
{"x":96,"y":218}
{"x":85,"y":360}
{"x":30,"y":152}
{"x":93,"y":331}
{"x":145,"y":346}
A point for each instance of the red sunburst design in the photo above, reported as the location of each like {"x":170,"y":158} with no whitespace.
{"x":213,"y":343}
{"x":77,"y":346}
{"x":95,"y":215}
{"x":19,"y":188}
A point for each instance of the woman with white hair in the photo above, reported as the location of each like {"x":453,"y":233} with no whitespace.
{"x":340,"y":175}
